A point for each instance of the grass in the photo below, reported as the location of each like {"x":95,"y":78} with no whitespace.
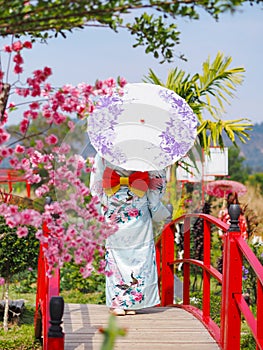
{"x":20,"y":335}
{"x":76,"y":297}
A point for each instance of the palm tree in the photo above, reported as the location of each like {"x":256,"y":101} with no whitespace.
{"x":208,"y":92}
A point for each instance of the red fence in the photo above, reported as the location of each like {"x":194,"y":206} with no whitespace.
{"x":48,"y":303}
{"x":49,"y":306}
{"x":233,"y":304}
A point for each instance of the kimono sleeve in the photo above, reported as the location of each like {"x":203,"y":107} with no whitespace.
{"x":155,"y":193}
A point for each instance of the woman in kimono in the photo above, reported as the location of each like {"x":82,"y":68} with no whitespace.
{"x":132,"y":200}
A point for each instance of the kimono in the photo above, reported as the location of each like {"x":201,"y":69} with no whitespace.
{"x":131,"y":273}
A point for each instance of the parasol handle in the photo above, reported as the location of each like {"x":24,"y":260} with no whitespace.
{"x":234,"y":212}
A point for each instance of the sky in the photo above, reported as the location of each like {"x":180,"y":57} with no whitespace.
{"x":95,"y":53}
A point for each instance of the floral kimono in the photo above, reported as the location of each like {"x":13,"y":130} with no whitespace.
{"x":131,"y":281}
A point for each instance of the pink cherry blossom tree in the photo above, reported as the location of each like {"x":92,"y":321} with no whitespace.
{"x":76,"y":229}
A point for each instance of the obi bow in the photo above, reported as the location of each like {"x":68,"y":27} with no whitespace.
{"x":137,"y":182}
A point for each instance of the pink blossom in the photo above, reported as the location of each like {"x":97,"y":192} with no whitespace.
{"x":18,"y":59}
{"x":34,"y":105}
{"x":30,"y":114}
{"x":99,"y":84}
{"x":2,"y":281}
{"x":4,"y":119}
{"x":34,"y":115}
{"x":46,"y":112}
{"x":1,"y":74}
{"x":30,"y":217}
{"x":91,"y":108}
{"x":39,"y":144}
{"x":7,"y":48}
{"x":27,"y":44}
{"x":36,"y":91}
{"x":19,"y":149}
{"x":12,"y":209}
{"x":18,"y":69}
{"x":17,"y":46}
{"x":47,"y":88}
{"x":4,"y":136}
{"x":11,"y":222}
{"x":5,"y":152}
{"x":34,"y":179}
{"x":59,"y":118}
{"x":13,"y":162}
{"x":110,"y":82}
{"x":102,"y":265}
{"x":51,"y":139}
{"x":122,"y":82}
{"x":24,"y":125}
{"x":47,"y":71}
{"x":22,"y":231}
{"x":41,"y":191}
{"x":11,"y":105}
{"x":22,"y":92}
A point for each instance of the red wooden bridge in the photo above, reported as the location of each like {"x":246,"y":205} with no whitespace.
{"x":170,"y":335}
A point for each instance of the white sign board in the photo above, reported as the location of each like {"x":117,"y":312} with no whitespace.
{"x":214,"y":165}
{"x":217,"y":163}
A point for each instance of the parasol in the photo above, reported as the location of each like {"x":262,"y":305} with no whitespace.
{"x":148,"y":127}
{"x":221,"y":188}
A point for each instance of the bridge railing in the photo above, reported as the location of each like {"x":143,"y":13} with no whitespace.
{"x":233,"y":304}
{"x":49,"y":306}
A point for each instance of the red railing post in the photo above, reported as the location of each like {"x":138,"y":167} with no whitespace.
{"x":259,"y":312}
{"x":167,"y":279}
{"x":40,"y":299}
{"x":206,"y":274}
{"x":55,"y":338}
{"x":47,"y":287}
{"x":231,"y":285}
{"x":186,"y":266}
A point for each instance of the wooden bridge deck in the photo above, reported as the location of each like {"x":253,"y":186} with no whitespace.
{"x":154,"y":328}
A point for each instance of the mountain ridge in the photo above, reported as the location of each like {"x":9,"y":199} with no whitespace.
{"x":252,"y":151}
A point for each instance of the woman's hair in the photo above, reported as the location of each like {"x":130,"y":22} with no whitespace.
{"x":232,"y":198}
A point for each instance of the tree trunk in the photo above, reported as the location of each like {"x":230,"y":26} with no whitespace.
{"x":5,"y":321}
{"x":4,"y":94}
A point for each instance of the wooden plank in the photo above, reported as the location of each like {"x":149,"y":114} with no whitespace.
{"x":128,"y":346}
{"x":153,"y":328}
{"x":151,"y":337}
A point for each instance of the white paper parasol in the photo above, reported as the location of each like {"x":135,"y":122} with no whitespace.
{"x":147,"y":128}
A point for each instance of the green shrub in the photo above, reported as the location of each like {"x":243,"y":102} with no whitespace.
{"x":17,"y":254}
{"x":72,"y":280}
{"x":247,"y":341}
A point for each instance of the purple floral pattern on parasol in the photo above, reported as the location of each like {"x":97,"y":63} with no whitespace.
{"x":167,"y":139}
{"x":108,"y":109}
{"x":181,"y":127}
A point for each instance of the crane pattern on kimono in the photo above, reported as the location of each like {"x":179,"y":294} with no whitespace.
{"x":127,"y":295}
